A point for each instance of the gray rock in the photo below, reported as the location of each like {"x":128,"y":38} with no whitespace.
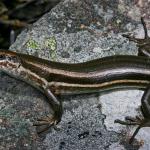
{"x":73,"y":31}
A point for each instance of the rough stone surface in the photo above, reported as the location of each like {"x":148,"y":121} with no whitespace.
{"x":75,"y":31}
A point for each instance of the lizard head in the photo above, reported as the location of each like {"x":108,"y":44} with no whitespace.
{"x":9,"y":56}
{"x":8,"y":59}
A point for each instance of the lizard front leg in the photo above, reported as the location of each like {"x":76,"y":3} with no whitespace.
{"x":56,"y":105}
{"x":143,"y":44}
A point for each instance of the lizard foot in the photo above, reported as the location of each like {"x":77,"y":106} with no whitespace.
{"x":141,"y":122}
{"x":48,"y":121}
{"x":130,"y":121}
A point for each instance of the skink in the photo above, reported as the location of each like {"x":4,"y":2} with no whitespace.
{"x":54,"y":79}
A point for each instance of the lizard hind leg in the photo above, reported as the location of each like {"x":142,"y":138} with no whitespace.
{"x":133,"y":121}
{"x":141,"y":122}
{"x":145,"y":103}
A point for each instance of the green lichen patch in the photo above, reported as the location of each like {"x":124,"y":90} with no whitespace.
{"x":32,"y":44}
{"x":51,"y":44}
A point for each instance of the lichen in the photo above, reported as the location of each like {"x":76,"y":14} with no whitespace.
{"x":7,"y":112}
{"x":51,"y":44}
{"x":21,"y":125}
{"x":14,"y":123}
{"x":32,"y":44}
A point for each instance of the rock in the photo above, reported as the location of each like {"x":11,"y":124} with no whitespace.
{"x":84,"y":30}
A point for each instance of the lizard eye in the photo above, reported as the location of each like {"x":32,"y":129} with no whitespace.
{"x":2,"y":57}
{"x":8,"y":58}
{"x":12,"y":59}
